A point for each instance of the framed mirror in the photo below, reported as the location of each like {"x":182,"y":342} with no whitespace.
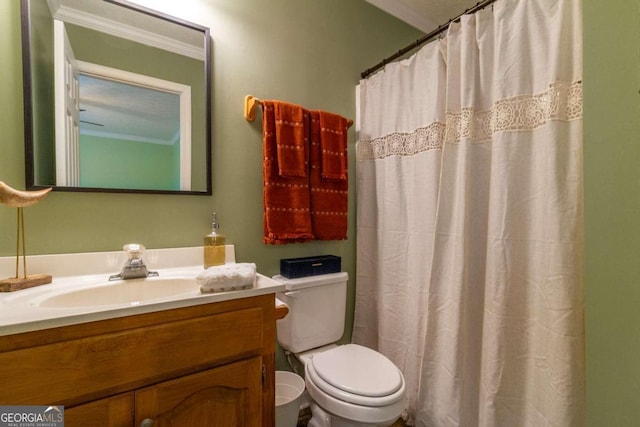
{"x":117,"y":98}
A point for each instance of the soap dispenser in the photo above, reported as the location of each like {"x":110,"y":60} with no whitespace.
{"x":214,"y":249}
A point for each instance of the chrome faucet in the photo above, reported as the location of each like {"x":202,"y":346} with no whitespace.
{"x":134,"y":267}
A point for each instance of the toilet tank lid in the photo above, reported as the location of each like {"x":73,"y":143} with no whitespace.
{"x":310,"y":281}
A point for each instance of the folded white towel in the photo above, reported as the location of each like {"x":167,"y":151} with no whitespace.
{"x":227,"y":277}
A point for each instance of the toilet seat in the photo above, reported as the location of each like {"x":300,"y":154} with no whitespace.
{"x":357,"y":374}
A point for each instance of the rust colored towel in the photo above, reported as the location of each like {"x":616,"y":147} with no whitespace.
{"x":333,"y":143}
{"x":291,"y":139}
{"x":287,"y":217}
{"x":329,"y":196}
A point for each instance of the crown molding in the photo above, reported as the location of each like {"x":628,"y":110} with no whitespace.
{"x":115,"y":28}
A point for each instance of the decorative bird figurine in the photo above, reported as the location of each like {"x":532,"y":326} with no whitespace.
{"x":21,"y":199}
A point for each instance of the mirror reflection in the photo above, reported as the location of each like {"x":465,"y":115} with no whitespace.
{"x":118,"y":98}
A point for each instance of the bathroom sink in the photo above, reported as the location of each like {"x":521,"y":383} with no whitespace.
{"x":124,"y":292}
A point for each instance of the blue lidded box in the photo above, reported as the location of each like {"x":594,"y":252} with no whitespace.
{"x":292,"y":268}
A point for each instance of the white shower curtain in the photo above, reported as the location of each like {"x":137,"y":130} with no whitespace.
{"x":470,"y":242}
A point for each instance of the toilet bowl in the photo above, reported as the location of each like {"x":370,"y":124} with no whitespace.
{"x":349,"y":385}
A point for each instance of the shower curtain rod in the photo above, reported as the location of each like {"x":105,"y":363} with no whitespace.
{"x":424,"y":39}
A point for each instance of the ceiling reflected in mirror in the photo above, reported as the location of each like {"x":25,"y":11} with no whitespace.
{"x":125,"y":111}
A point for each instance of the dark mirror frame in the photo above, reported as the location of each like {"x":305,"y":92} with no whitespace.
{"x":28,"y":106}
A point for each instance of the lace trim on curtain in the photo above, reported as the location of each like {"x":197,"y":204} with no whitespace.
{"x":561,"y":102}
{"x":403,"y":144}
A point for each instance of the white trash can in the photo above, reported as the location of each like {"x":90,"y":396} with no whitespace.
{"x":289,"y":389}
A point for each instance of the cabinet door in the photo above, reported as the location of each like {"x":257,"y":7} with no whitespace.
{"x":114,"y":411}
{"x":230,"y":395}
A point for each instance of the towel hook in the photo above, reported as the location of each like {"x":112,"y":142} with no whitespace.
{"x":250,"y":103}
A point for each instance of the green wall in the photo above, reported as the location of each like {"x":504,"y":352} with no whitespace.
{"x":612,"y":211}
{"x":42,"y":90}
{"x":303,"y":51}
{"x":118,"y":163}
{"x":308,"y":52}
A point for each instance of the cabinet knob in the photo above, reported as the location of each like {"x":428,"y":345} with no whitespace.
{"x":147,"y":422}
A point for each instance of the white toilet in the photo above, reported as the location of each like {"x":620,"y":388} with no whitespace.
{"x":350,"y":385}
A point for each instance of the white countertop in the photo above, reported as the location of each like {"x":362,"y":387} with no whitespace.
{"x":20,"y":312}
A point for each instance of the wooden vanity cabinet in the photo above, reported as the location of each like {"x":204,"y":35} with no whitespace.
{"x":113,"y":411}
{"x":205,"y":365}
{"x":225,"y":396}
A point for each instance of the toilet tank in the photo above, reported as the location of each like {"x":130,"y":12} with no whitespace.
{"x":317,"y":306}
